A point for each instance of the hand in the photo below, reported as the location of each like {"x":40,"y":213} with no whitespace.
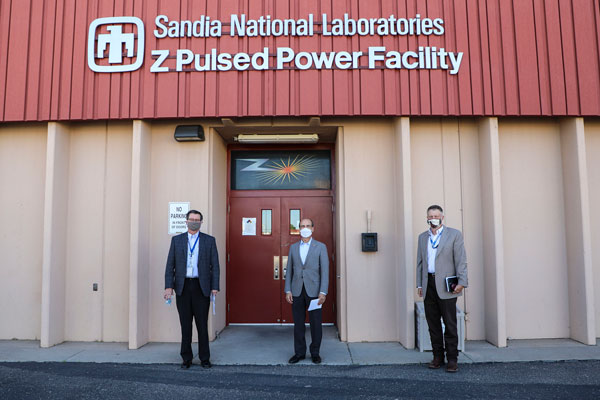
{"x":420,"y":292}
{"x":458,"y":289}
{"x":289,"y":298}
{"x":168,"y":293}
{"x":321,"y":298}
{"x":214,"y":292}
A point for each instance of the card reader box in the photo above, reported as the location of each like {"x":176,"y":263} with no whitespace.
{"x":369,"y":242}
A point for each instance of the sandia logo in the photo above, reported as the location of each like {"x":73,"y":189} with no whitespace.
{"x":107,"y":37}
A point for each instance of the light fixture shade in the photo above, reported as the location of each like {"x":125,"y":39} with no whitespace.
{"x":189,"y":133}
{"x":292,"y":138}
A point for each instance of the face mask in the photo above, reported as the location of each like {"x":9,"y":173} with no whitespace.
{"x":434,"y":222}
{"x":305,"y":232}
{"x":194,"y":226}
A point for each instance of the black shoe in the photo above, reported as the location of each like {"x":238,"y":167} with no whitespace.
{"x":295,"y":359}
{"x":186,"y":364}
{"x":316,"y":359}
{"x":206,"y":364}
{"x":436,"y":363}
{"x":452,"y":366}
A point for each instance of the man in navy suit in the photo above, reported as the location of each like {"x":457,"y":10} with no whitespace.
{"x":193,"y":270}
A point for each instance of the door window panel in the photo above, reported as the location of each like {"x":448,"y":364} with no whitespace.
{"x":266,"y":221}
{"x":276,"y":170}
{"x":294,"y":222}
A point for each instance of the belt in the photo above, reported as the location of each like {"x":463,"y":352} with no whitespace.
{"x":190,"y":279}
{"x":430,"y":274}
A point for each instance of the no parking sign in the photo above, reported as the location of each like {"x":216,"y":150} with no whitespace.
{"x":177,"y":212}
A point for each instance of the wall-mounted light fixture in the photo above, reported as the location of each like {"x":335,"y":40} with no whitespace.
{"x":189,"y":133}
{"x":292,"y":138}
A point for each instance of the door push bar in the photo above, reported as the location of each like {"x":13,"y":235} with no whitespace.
{"x":276,"y":268}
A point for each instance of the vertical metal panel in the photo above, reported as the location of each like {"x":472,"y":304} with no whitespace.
{"x":588,"y":70}
{"x":496,"y":59}
{"x":342,"y":95}
{"x":16,"y":82}
{"x":542,"y":51}
{"x":229,"y":88}
{"x":4,"y":29}
{"x":509,"y":59}
{"x":32,"y":99}
{"x":196,"y":92}
{"x":557,"y":71}
{"x":569,"y":56}
{"x":521,"y":57}
{"x":437,"y":77}
{"x":485,"y":58}
{"x":527,"y":57}
{"x":66,"y":59}
{"x":327,"y":89}
{"x":79,"y":66}
{"x":167,"y":84}
{"x":450,"y":37}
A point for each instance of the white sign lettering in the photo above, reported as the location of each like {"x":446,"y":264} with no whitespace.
{"x":186,"y":60}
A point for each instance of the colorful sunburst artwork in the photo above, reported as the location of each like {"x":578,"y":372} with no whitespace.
{"x":288,"y":170}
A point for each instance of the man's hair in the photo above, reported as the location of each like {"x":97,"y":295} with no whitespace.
{"x":187,"y":216}
{"x":435,"y":207}
{"x":311,"y":221}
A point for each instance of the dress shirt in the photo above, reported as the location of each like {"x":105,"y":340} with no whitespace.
{"x":193,"y":260}
{"x":304,"y":249}
{"x":431,"y":252}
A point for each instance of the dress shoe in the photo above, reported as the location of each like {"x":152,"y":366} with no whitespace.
{"x":316,"y":359}
{"x":205,"y":364}
{"x":295,"y":359}
{"x":186,"y":364}
{"x":436,"y":363}
{"x":452,"y":366}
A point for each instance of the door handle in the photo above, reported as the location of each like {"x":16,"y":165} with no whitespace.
{"x":284,"y":262}
{"x":276,"y":268}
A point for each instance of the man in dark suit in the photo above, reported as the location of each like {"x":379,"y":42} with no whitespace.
{"x":440,"y":254}
{"x":307,"y":279}
{"x":193,"y":270}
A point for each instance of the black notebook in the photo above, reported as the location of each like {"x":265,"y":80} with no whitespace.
{"x":451,"y":282}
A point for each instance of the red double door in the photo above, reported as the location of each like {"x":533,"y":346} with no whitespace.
{"x":261,"y":230}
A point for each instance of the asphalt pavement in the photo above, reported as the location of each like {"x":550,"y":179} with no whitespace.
{"x":524,"y":380}
{"x":251,"y":363}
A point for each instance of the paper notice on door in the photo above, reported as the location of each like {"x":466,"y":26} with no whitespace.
{"x":314,"y":304}
{"x":248,"y":226}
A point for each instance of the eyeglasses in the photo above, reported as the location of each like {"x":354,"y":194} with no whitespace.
{"x":305,"y":226}
{"x":194,"y":220}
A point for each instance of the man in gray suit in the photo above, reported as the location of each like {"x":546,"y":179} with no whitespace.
{"x":193,"y":270}
{"x":307,"y":279}
{"x":440,"y":254}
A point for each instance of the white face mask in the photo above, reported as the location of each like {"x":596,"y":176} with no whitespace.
{"x":434,"y":222}
{"x":305,"y":232}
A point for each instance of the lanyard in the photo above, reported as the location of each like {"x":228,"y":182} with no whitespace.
{"x":192,"y":248}
{"x":435,"y":244}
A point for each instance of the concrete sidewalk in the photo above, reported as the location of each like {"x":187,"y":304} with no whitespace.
{"x":273,"y":345}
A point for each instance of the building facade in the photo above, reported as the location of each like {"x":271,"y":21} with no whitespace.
{"x":490,"y":109}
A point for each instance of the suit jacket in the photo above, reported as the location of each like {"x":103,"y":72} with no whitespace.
{"x":208,"y":263}
{"x":313,"y":274}
{"x":450,"y":259}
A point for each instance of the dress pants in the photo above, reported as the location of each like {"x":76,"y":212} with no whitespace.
{"x":193,"y":304}
{"x":435,"y":309}
{"x":315,"y":317}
